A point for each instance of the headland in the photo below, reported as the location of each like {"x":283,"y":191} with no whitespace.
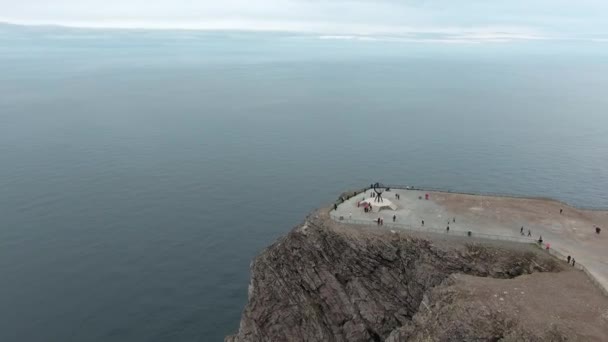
{"x":340,"y":276}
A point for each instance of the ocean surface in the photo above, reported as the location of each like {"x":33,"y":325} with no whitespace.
{"x":141,"y":172}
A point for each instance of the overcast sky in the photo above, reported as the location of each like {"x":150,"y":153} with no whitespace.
{"x":471,"y":19}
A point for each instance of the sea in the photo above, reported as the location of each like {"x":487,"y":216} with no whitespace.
{"x":142,"y":171}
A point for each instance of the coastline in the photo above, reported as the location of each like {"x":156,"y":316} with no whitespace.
{"x":331,"y":280}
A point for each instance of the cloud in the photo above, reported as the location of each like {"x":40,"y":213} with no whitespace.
{"x":431,"y":20}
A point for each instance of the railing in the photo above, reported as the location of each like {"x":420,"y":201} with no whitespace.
{"x":551,"y":251}
{"x":348,"y":195}
{"x":454,"y":232}
{"x":578,"y":265}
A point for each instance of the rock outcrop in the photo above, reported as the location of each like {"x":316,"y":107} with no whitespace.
{"x":330,"y":282}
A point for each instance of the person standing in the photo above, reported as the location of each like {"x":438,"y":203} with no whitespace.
{"x":394,"y":218}
{"x":561,"y":211}
{"x":569,"y":259}
{"x":529,"y":232}
{"x":447,"y":229}
{"x":423,"y":223}
{"x":573,"y":262}
{"x":522,"y":230}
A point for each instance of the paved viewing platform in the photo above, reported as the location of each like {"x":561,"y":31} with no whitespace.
{"x":571,"y":232}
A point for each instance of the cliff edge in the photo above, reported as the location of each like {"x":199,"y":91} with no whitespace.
{"x":327,"y":281}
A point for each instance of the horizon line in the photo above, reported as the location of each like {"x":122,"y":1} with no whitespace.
{"x":443,"y":34}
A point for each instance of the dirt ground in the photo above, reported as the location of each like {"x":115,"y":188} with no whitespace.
{"x":566,"y":299}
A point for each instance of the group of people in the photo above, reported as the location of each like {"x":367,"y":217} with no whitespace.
{"x":447,"y":229}
{"x":569,"y":258}
{"x":380,"y":220}
{"x":376,"y":196}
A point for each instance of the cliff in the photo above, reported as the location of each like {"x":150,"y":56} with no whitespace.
{"x":330,"y":282}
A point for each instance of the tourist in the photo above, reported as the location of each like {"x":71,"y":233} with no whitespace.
{"x":335,"y":206}
{"x":522,"y":230}
{"x":529,"y":232}
{"x":447,"y":229}
{"x":573,"y":262}
{"x":540,"y":239}
{"x":454,"y":220}
{"x":560,"y":211}
{"x":423,"y":223}
{"x":569,"y":258}
{"x":598,"y":230}
{"x":381,"y":221}
{"x":378,"y":221}
{"x":394,"y":218}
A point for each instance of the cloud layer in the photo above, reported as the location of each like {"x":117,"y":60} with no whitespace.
{"x":467,"y":20}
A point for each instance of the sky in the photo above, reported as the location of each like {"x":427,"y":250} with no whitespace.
{"x":454,"y":20}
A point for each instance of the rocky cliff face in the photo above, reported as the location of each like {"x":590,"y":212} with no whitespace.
{"x":328,"y":282}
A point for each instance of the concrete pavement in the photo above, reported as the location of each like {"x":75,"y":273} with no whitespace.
{"x":569,"y":233}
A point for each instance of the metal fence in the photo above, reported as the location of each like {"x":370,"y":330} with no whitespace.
{"x":395,"y":225}
{"x":453,"y":232}
{"x":578,"y":265}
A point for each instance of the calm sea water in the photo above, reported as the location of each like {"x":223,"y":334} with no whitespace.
{"x":140,"y":172}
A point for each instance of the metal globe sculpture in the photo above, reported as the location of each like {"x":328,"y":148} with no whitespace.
{"x":378,"y":189}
